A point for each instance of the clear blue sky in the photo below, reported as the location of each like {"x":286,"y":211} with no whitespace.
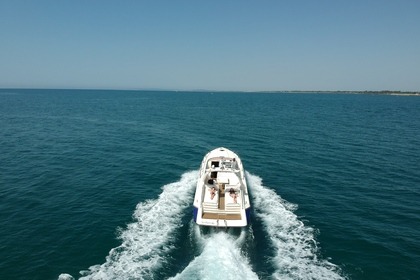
{"x":219,"y":45}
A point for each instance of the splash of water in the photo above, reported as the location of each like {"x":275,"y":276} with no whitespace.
{"x":147,"y":241}
{"x":65,"y":276}
{"x":296,"y":252}
{"x":220,"y":257}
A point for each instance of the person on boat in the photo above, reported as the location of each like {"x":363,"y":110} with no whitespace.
{"x":233,"y":194}
{"x":212,"y":192}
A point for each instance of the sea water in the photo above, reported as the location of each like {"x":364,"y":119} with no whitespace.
{"x":99,"y":184}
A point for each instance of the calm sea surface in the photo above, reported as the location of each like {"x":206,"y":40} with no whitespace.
{"x":99,"y":185}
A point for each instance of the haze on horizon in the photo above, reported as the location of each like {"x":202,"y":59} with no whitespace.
{"x":215,"y":45}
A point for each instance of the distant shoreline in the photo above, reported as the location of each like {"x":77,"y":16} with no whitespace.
{"x":378,"y":92}
{"x":382,"y":92}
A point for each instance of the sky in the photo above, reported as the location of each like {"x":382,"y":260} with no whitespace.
{"x":213,"y":45}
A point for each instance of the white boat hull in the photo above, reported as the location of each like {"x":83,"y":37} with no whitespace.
{"x":221,"y":198}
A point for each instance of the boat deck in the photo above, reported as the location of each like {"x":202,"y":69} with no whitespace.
{"x":215,"y":216}
{"x":222,"y":197}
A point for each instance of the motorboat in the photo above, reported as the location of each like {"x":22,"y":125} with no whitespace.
{"x":221,"y":197}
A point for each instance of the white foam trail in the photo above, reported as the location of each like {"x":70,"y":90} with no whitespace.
{"x":293,"y":242}
{"x":220,"y":258}
{"x":65,"y":276}
{"x":147,"y":241}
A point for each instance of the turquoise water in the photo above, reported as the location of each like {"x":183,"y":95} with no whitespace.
{"x":99,"y":184}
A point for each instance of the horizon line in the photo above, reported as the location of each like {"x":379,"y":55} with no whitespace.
{"x":212,"y":90}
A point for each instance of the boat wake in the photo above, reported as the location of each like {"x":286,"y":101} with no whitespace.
{"x":296,"y":252}
{"x":148,"y":242}
{"x":221,"y":256}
